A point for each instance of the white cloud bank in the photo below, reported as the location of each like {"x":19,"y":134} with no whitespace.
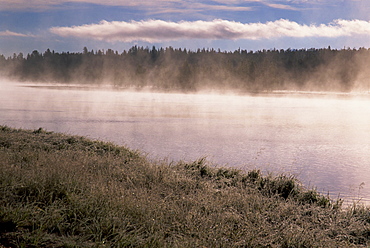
{"x":157,"y":30}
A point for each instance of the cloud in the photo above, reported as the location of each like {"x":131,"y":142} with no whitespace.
{"x":191,"y":8}
{"x":280,"y":6}
{"x":8,"y":33}
{"x":203,"y":6}
{"x":176,"y":6}
{"x":158,"y":30}
{"x":40,"y":5}
{"x":227,"y":5}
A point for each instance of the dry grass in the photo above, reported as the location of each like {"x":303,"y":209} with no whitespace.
{"x":67,"y":191}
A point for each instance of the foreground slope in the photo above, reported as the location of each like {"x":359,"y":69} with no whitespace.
{"x":67,"y":191}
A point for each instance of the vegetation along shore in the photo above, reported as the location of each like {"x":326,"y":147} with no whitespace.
{"x":58,"y":190}
{"x":169,"y":69}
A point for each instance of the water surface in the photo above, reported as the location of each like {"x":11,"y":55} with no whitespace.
{"x":323,"y":139}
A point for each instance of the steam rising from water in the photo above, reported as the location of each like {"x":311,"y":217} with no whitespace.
{"x":158,"y":30}
{"x":324,"y":139}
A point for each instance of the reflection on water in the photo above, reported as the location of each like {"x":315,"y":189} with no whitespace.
{"x":322,"y":139}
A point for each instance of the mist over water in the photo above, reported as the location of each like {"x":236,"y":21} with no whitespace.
{"x":323,"y":139}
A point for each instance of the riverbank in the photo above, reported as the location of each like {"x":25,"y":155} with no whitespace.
{"x":68,"y":191}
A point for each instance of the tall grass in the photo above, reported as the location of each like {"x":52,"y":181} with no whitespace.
{"x":68,"y":191}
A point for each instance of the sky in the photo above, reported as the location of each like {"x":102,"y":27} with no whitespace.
{"x":71,"y":25}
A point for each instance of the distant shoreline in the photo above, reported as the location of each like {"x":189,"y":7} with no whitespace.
{"x":76,"y":86}
{"x":169,"y":69}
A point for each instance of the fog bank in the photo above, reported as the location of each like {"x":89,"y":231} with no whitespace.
{"x":169,"y":69}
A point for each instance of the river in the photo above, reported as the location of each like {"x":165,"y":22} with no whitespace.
{"x":322,"y":139}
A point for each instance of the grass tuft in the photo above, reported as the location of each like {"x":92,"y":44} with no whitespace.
{"x":68,"y":191}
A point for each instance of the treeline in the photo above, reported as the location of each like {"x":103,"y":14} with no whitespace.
{"x":184,"y":70}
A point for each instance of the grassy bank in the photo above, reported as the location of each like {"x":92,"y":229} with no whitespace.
{"x":68,"y":191}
